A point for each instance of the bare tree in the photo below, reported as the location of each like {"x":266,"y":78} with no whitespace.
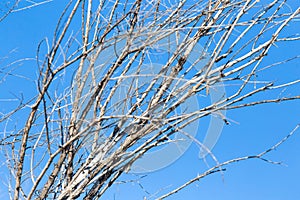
{"x":120,"y":78}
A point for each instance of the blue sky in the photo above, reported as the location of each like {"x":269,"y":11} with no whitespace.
{"x":256,"y":128}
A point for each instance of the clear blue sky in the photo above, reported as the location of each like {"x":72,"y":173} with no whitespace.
{"x":257,"y":128}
